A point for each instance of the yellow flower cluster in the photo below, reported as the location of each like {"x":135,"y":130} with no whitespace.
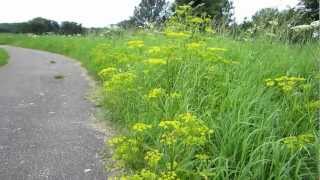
{"x":170,"y":175}
{"x":120,"y":82}
{"x":298,"y":142}
{"x":197,"y":20}
{"x":107,"y":73}
{"x":159,"y":92}
{"x":194,"y":46}
{"x":117,"y":140}
{"x":136,"y":44}
{"x":187,"y":129}
{"x":202,"y":157}
{"x":212,"y":49}
{"x":156,"y":61}
{"x":125,"y":148}
{"x":285,"y":83}
{"x":155,"y":93}
{"x":170,"y":125}
{"x":144,"y":174}
{"x":314,"y":105}
{"x":177,"y":35}
{"x":141,"y":127}
{"x":153,"y":157}
{"x":209,"y":29}
{"x":169,"y":138}
{"x":100,"y":54}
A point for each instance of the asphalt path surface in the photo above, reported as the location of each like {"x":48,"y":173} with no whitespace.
{"x":46,"y":127}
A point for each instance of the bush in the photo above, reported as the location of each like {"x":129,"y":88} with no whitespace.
{"x":69,"y":28}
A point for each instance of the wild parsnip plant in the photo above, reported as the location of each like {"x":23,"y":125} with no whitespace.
{"x":3,"y":57}
{"x":199,"y":106}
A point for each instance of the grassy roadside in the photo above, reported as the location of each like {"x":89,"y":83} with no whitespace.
{"x":216,"y":109}
{"x":3,"y":57}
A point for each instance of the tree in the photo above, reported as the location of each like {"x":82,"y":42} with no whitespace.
{"x":41,"y":25}
{"x":220,"y":10}
{"x":69,"y":28}
{"x":150,"y":11}
{"x":310,"y":9}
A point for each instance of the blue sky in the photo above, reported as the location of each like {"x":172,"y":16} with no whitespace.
{"x":99,"y":13}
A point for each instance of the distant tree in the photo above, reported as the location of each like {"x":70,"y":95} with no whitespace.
{"x":271,"y":17}
{"x":310,"y":9}
{"x":149,"y":11}
{"x":69,"y":28}
{"x":220,"y":10}
{"x":14,"y":27}
{"x":264,"y":16}
{"x":41,"y":25}
{"x":127,"y":24}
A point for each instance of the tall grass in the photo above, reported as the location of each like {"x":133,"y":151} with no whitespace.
{"x":3,"y":57}
{"x":202,"y":108}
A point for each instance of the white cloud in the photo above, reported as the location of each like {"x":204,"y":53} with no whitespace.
{"x":100,"y":13}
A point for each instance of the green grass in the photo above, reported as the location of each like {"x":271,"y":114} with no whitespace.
{"x":3,"y":57}
{"x":258,"y":132}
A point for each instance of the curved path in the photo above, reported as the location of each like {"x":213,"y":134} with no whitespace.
{"x":45,"y":127}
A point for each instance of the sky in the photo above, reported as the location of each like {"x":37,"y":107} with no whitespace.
{"x":100,"y":13}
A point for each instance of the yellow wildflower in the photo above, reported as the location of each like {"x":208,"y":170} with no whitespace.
{"x":155,"y":61}
{"x":107,"y":73}
{"x":196,"y":20}
{"x":169,"y":175}
{"x":141,"y":127}
{"x":269,"y":82}
{"x":120,"y":82}
{"x":209,"y":30}
{"x":212,"y":49}
{"x":155,"y":93}
{"x":153,"y":157}
{"x":136,"y":44}
{"x":297,"y":142}
{"x":144,"y":174}
{"x":282,"y":78}
{"x":194,"y":46}
{"x":287,"y":88}
{"x":285,"y":83}
{"x":187,"y":117}
{"x":177,"y":35}
{"x":314,"y":104}
{"x":117,"y":140}
{"x":202,"y":157}
{"x":168,"y":138}
{"x":296,"y":79}
{"x":169,"y":124}
{"x":147,"y":174}
{"x":126,"y":150}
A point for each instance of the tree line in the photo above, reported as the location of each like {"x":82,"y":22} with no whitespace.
{"x":41,"y":25}
{"x":155,"y":12}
